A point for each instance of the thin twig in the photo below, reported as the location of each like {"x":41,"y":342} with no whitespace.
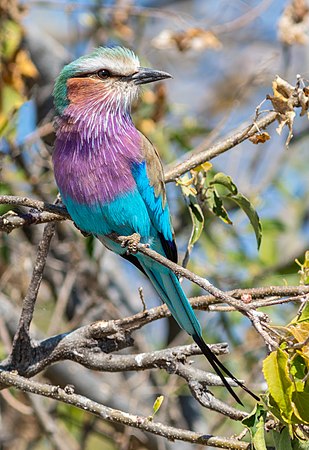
{"x":32,"y":203}
{"x":194,"y":160}
{"x":21,"y":342}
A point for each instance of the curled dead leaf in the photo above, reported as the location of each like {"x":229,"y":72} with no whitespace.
{"x":283,"y":102}
{"x":289,"y":121}
{"x":259,"y":138}
{"x":304,"y":101}
{"x":192,"y":38}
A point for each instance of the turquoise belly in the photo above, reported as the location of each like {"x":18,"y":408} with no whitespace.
{"x":125,"y":215}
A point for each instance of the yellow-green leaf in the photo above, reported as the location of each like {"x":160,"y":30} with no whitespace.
{"x":206,"y":166}
{"x":11,"y":100}
{"x":280,"y":386}
{"x":300,"y":405}
{"x":157,"y":404}
{"x":304,"y":317}
{"x":12,"y":35}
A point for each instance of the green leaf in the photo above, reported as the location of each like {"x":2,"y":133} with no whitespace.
{"x":300,"y":444}
{"x":304,"y":317}
{"x":304,"y":269}
{"x":197,"y":220}
{"x":251,"y":213}
{"x":298,"y":367}
{"x":240,"y":200}
{"x":282,"y":440}
{"x":12,"y":33}
{"x":300,"y":404}
{"x":216,"y":205}
{"x":226,"y":181}
{"x":275,"y":369}
{"x":255,"y":422}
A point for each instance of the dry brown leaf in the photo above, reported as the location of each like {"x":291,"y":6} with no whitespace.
{"x":293,"y":25}
{"x":192,"y":38}
{"x":304,"y":101}
{"x":283,"y":104}
{"x":259,"y":138}
{"x":289,"y":121}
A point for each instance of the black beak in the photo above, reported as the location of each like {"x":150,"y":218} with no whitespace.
{"x":145,"y":75}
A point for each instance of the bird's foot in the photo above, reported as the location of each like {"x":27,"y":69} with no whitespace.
{"x":131,"y":242}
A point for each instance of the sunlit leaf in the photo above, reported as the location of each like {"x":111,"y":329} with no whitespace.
{"x":186,"y":185}
{"x":226,"y":181}
{"x":12,"y":35}
{"x":10,"y":99}
{"x":298,"y":370}
{"x":25,"y":65}
{"x":304,"y":317}
{"x":206,"y":166}
{"x":157,"y":404}
{"x":280,"y":386}
{"x":256,"y":424}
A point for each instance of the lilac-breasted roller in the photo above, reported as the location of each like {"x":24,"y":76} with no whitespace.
{"x":110,"y":175}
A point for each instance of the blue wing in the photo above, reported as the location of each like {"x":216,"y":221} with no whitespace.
{"x":149,"y":180}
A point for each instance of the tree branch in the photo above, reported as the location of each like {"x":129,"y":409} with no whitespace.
{"x":21,"y":342}
{"x":256,"y":318}
{"x":37,"y":204}
{"x":113,"y":415}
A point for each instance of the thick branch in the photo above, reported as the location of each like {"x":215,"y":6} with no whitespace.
{"x":80,"y":346}
{"x":112,"y":415}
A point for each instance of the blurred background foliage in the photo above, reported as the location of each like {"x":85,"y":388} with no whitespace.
{"x":223,"y":57}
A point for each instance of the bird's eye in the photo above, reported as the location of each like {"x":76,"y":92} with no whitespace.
{"x":103,"y":74}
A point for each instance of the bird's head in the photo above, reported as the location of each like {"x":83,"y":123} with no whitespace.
{"x":107,"y":77}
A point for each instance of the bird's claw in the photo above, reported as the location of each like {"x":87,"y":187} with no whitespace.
{"x":131,"y":242}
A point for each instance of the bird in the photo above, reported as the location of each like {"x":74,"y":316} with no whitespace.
{"x":110,"y":176}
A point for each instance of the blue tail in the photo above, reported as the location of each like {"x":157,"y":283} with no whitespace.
{"x":169,"y":289}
